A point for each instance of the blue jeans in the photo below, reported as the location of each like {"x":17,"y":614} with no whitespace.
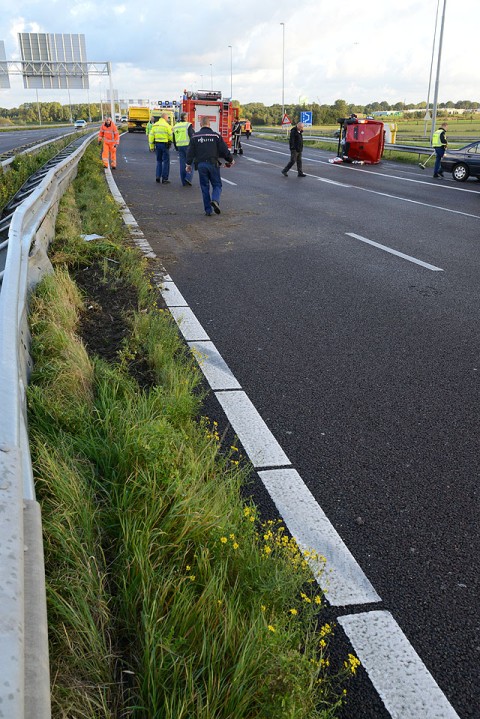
{"x":163,"y":160}
{"x":209,"y":174}
{"x":439,"y":152}
{"x":182,"y":158}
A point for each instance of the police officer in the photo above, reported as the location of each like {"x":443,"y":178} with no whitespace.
{"x":160,"y":141}
{"x":205,"y":149}
{"x":439,"y":144}
{"x":182,"y":134}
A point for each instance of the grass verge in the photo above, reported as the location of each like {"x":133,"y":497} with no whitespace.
{"x":167,"y":595}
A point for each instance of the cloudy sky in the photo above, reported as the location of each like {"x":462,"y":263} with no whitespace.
{"x":333,"y":50}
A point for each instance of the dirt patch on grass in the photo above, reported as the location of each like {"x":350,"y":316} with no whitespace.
{"x":104,"y":324}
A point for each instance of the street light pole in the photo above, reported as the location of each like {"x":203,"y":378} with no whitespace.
{"x":427,"y":111}
{"x":283,"y":69}
{"x":231,"y":72}
{"x":437,"y":80}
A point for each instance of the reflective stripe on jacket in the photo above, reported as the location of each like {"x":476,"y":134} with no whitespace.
{"x":161,"y":131}
{"x":109,"y":134}
{"x":180,"y":132}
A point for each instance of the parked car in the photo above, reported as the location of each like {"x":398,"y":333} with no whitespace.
{"x":80,"y":123}
{"x":463,"y":162}
{"x":124,"y":118}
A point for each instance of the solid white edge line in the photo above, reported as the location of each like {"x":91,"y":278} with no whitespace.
{"x":394,"y":252}
{"x":351,"y":624}
{"x":343,"y":580}
{"x":402,"y":680}
{"x":216,"y":371}
{"x":172,"y":295}
{"x":229,"y":182}
{"x":259,"y":443}
{"x":188,"y":324}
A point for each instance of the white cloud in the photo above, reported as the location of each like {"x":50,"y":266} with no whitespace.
{"x":332,"y":50}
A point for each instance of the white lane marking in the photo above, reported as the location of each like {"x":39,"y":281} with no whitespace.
{"x":346,"y":166}
{"x":343,"y":580}
{"x":188,"y":324}
{"x":444,"y":186}
{"x":417,"y":202}
{"x":259,"y":162}
{"x":172,"y":295}
{"x":330,"y":182}
{"x":259,"y":443}
{"x":398,"y":674}
{"x":229,"y":182}
{"x":216,"y":371}
{"x":395,"y":252}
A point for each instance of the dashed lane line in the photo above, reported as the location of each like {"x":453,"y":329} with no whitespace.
{"x":402,"y":680}
{"x":394,"y":252}
{"x":346,"y":584}
{"x":377,"y":173}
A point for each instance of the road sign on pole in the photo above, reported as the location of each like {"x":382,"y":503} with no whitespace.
{"x":286,"y":122}
{"x":307,"y":118}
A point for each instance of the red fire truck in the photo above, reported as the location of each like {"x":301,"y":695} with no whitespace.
{"x":204,"y":102}
{"x":360,"y":140}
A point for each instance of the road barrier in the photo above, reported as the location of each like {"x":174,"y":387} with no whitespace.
{"x":24,"y":666}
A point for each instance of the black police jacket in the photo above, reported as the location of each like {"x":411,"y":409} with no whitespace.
{"x":207,"y":146}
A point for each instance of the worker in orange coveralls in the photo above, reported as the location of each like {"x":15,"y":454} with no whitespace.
{"x":109,"y":134}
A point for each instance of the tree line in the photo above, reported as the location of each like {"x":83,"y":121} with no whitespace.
{"x":259,"y":114}
{"x":51,"y":112}
{"x":256,"y":112}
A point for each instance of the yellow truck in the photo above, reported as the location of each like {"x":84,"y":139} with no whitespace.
{"x":137,"y":118}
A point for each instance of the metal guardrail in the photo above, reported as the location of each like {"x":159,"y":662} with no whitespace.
{"x":24,"y":667}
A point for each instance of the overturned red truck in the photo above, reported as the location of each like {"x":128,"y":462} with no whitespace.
{"x":360,"y":141}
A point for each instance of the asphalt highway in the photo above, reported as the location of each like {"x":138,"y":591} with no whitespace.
{"x":346,"y":304}
{"x":18,"y":138}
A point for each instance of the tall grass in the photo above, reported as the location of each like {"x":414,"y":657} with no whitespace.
{"x":167,"y":596}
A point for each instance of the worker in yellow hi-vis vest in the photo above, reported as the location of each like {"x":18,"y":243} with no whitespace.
{"x":439,"y":144}
{"x":182,"y":132}
{"x":160,"y":141}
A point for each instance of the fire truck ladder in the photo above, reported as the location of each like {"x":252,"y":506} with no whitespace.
{"x":224,"y":121}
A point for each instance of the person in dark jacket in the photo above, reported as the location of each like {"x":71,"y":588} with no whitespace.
{"x":205,"y":149}
{"x":296,"y":149}
{"x":439,"y":144}
{"x":236,"y":138}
